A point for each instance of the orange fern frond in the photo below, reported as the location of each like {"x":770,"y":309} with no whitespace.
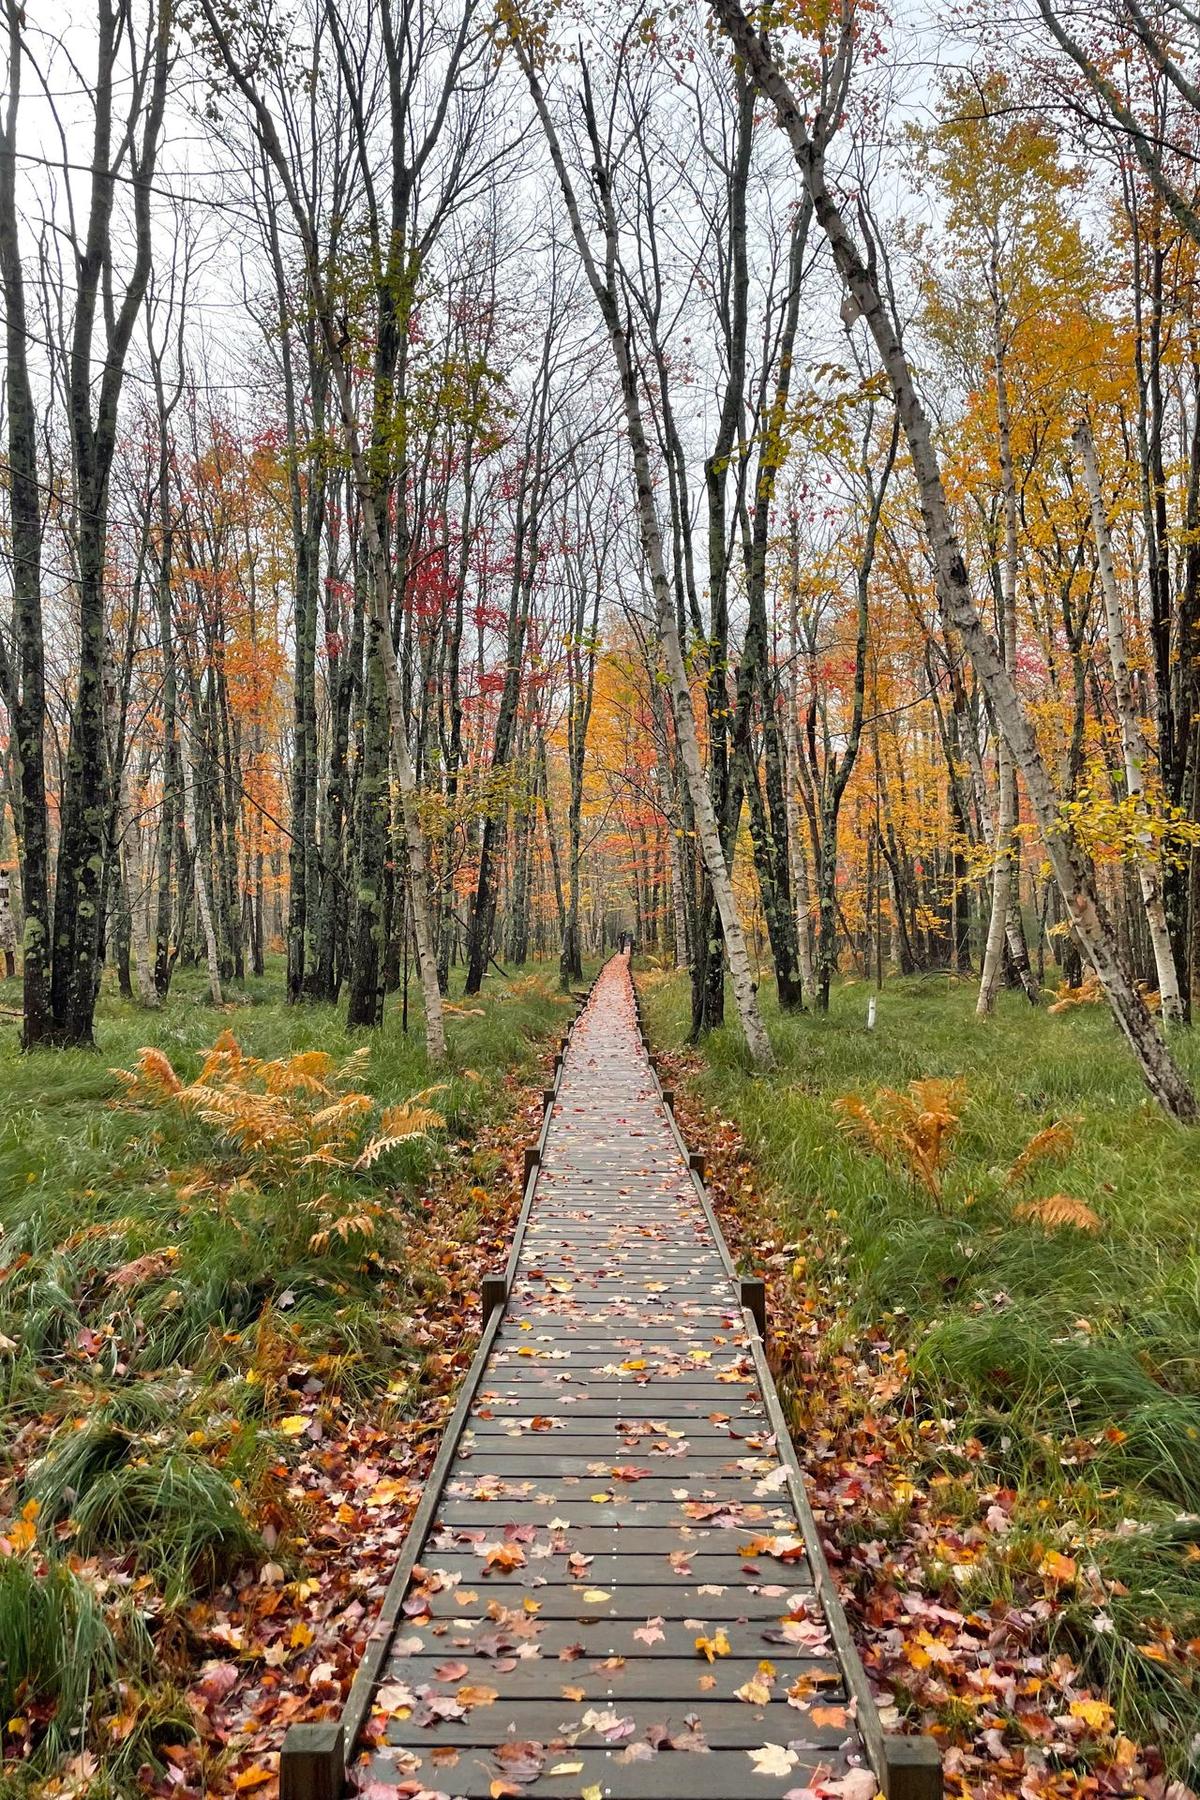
{"x":1058,"y":1210}
{"x":307,"y":1073}
{"x":1054,"y":1141}
{"x":156,"y":1072}
{"x":912,"y":1128}
{"x":857,"y":1120}
{"x":1088,"y":993}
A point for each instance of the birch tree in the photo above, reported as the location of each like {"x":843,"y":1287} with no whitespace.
{"x":1072,"y":867}
{"x":1133,"y":748}
{"x":602,"y":271}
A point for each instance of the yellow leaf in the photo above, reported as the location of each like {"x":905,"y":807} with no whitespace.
{"x":295,"y":1425}
{"x":1056,"y":1567}
{"x":1097,"y":1715}
{"x":714,"y":1646}
{"x":471,"y":1695}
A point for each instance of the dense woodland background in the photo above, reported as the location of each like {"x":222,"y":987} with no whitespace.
{"x":336,"y":624}
{"x":479,"y":481}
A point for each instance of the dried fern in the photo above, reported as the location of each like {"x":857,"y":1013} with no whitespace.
{"x":1054,"y":1142}
{"x":152,"y":1081}
{"x":1088,"y":993}
{"x":286,"y":1115}
{"x":912,"y":1130}
{"x":1058,"y":1210}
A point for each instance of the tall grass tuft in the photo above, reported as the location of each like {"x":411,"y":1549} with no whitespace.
{"x":56,"y":1650}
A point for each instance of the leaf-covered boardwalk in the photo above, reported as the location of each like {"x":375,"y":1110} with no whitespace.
{"x":612,"y":1592}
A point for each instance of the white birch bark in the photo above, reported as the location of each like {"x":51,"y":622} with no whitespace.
{"x":1006,"y":774}
{"x":1000,"y":928}
{"x":604,"y":288}
{"x":801,"y":891}
{"x":203,"y":898}
{"x":993,"y":950}
{"x":135,"y":874}
{"x":1071,"y":866}
{"x":1133,"y":748}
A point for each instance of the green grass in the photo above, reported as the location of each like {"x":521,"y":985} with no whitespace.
{"x":139,"y":1417}
{"x":54,"y":1646}
{"x":1071,"y":1357}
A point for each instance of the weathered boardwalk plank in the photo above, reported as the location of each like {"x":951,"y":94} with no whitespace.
{"x":616,"y":1588}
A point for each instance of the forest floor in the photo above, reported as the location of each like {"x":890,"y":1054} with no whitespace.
{"x":234,"y":1303}
{"x":992,"y":1360}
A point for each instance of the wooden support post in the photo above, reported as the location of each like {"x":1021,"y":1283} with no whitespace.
{"x":312,"y":1763}
{"x":494,"y":1293}
{"x":668,"y":1099}
{"x":533,"y":1157}
{"x":913,"y":1768}
{"x":696,"y":1162}
{"x":547,"y":1096}
{"x":753,"y":1293}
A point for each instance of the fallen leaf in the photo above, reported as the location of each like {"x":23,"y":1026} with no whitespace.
{"x":716,"y":1645}
{"x":773,"y":1759}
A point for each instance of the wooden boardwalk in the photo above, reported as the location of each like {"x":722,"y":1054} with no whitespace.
{"x":613,"y":1586}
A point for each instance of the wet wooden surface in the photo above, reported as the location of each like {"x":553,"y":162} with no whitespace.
{"x":613,"y":1597}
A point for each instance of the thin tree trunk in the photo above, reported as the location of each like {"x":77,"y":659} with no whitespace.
{"x":1005,"y":901}
{"x":1002,"y":844}
{"x":1133,"y":749}
{"x":24,"y":683}
{"x":197,"y":858}
{"x":605,"y":291}
{"x":800,"y":882}
{"x":134,"y":877}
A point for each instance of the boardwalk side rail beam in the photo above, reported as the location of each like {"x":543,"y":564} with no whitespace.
{"x":907,"y":1767}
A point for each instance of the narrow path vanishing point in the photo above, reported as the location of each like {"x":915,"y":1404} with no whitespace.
{"x":617,"y":1588}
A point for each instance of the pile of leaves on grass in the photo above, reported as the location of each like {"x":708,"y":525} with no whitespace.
{"x":1048,"y":1640}
{"x":221,"y":1409}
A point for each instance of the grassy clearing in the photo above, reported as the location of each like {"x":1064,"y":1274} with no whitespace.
{"x":1066,"y":1360}
{"x":175,"y":1288}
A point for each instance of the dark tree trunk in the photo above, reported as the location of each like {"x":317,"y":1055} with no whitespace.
{"x":24,"y":681}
